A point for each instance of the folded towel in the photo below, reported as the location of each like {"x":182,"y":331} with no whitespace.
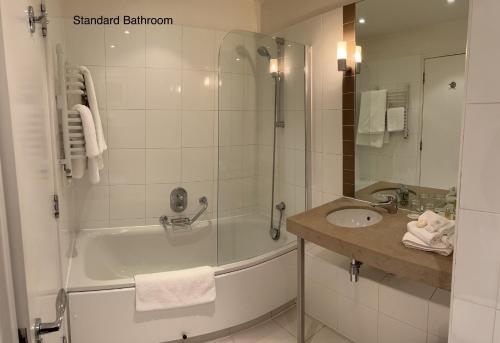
{"x":168,"y":290}
{"x":431,"y":238}
{"x":372,"y":112}
{"x":91,"y":146}
{"x":444,"y":247}
{"x":395,"y":119}
{"x":94,"y":109}
{"x":435,"y":222}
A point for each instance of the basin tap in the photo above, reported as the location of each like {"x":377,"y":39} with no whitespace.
{"x":391,"y":205}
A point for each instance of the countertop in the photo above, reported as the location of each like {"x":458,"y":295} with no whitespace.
{"x":378,"y":245}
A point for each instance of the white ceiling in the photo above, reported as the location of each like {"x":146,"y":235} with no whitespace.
{"x":388,"y":16}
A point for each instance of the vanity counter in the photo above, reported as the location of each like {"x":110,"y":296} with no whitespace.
{"x":378,"y":245}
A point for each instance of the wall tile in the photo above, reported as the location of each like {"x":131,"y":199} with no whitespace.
{"x":125,"y":88}
{"x":127,"y":202}
{"x":496,"y":334}
{"x":366,"y":290}
{"x":164,"y":46}
{"x":439,"y":313}
{"x":197,"y":90}
{"x":322,"y":304}
{"x":127,"y":166}
{"x":85,"y":44}
{"x":158,"y":200}
{"x":332,"y":173}
{"x":332,"y":131}
{"x":198,"y":46}
{"x":163,"y":89}
{"x":478,"y":236}
{"x":95,"y":204}
{"x":163,"y":166}
{"x":163,"y":128}
{"x":471,"y":322}
{"x":480,"y":161}
{"x":197,"y":128}
{"x":357,"y":321}
{"x":126,"y":129}
{"x":393,"y":331}
{"x":197,"y":164}
{"x":125,"y":45}
{"x":398,"y":294}
{"x":483,"y":72}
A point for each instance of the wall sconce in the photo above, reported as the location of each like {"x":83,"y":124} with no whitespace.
{"x":273,"y":66}
{"x":358,"y":58}
{"x":342,"y":56}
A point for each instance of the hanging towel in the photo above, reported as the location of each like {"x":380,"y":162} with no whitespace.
{"x":375,"y":140}
{"x":169,"y":290}
{"x":444,"y":247}
{"x":94,"y":109}
{"x":372,"y":112}
{"x":395,"y":119}
{"x":431,"y":238}
{"x":91,"y":146}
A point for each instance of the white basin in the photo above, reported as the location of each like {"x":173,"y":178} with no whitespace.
{"x":354,"y":217}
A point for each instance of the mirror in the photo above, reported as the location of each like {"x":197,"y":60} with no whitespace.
{"x":410,"y":101}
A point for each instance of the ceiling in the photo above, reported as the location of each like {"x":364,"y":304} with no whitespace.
{"x":388,"y":16}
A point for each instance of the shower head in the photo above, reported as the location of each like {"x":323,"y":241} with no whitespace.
{"x":264,"y":52}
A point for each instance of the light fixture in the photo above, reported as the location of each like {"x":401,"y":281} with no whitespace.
{"x":112,"y":46}
{"x":342,"y":56}
{"x":450,"y":1}
{"x":362,"y":20}
{"x":127,"y":32}
{"x":273,"y":65}
{"x":358,"y":58}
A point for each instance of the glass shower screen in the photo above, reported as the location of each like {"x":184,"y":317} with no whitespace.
{"x":261,"y":143}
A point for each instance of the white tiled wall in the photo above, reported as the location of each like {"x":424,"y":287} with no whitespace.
{"x":157,"y":90}
{"x":476,"y":302}
{"x":379,"y":308}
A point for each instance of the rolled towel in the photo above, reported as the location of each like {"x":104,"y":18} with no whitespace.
{"x":175,"y":289}
{"x":435,"y":222}
{"x":431,"y":238}
{"x":442,"y":248}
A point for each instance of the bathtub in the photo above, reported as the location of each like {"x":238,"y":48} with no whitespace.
{"x":101,"y":286}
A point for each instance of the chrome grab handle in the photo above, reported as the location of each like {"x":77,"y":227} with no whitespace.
{"x":45,"y":328}
{"x":165,"y":221}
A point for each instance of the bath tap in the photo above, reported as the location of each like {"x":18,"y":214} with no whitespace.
{"x":391,"y":205}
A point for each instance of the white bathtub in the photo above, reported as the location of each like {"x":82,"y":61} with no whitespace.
{"x":101,"y":285}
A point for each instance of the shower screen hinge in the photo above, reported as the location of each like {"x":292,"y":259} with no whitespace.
{"x":41,"y":19}
{"x":22,"y":335}
{"x":55,"y":206}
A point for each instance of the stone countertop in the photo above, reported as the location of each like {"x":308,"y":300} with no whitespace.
{"x":378,"y":245}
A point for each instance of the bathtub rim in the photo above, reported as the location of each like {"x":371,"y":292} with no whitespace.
{"x":88,"y":285}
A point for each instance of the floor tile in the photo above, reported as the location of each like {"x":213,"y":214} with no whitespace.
{"x":268,"y":332}
{"x":326,"y":335}
{"x":288,"y":320}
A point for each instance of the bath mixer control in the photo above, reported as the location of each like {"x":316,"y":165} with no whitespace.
{"x":178,"y":199}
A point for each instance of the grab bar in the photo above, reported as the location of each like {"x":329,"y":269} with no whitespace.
{"x":165,"y":221}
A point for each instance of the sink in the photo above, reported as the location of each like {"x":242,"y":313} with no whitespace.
{"x":382,"y":194}
{"x":354,"y":217}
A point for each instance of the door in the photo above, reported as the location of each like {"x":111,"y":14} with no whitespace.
{"x":28,"y":178}
{"x":442,"y":120}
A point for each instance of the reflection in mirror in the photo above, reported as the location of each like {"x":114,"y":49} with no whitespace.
{"x":409,"y":101}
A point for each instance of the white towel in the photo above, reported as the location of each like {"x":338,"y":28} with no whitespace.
{"x":91,"y":146}
{"x":431,"y":238}
{"x":395,"y":119}
{"x":444,"y":247}
{"x":372,"y":112}
{"x":94,"y":109}
{"x":435,"y":222}
{"x":375,"y":140}
{"x":169,"y":290}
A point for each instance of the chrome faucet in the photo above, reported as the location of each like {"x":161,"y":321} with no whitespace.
{"x":390,"y":205}
{"x":403,"y":194}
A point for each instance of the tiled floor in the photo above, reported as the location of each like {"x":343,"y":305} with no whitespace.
{"x":283,"y":329}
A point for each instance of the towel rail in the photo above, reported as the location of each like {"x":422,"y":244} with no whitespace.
{"x":400,"y":98}
{"x":71,"y":82}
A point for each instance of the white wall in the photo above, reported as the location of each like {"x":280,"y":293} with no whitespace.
{"x":392,"y":62}
{"x":476,"y":304}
